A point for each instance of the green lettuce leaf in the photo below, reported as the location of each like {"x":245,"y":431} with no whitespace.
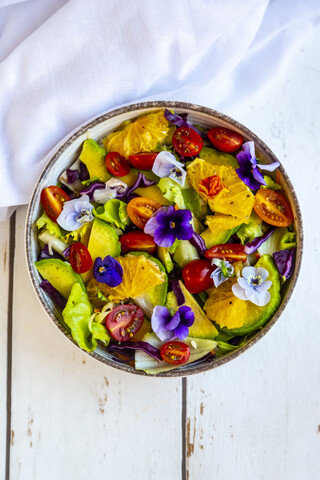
{"x":99,"y":332}
{"x":248,"y":232}
{"x":114,"y":212}
{"x":281,"y":239}
{"x":270,"y":183}
{"x":45,"y":223}
{"x":88,"y":182}
{"x":185,"y":198}
{"x":76,"y":315}
{"x":78,"y":235}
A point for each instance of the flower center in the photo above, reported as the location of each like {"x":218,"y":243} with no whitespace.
{"x":84,"y":216}
{"x":172,"y":224}
{"x":255,"y":281}
{"x":102,"y":269}
{"x":176,"y":171}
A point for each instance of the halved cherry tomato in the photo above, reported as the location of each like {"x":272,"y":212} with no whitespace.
{"x":117,"y":164}
{"x":141,"y":209}
{"x":80,"y":258}
{"x":187,"y":142}
{"x":175,"y":353}
{"x":233,"y":252}
{"x":52,"y":199}
{"x":273,"y":208}
{"x":137,"y":241}
{"x":124,"y":321}
{"x":196,"y":275}
{"x":143,"y":161}
{"x":224,"y":139}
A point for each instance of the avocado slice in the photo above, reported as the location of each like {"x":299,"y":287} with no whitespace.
{"x":185,"y":253}
{"x":165,"y":258}
{"x":60,"y":274}
{"x":154,"y":193}
{"x":202,"y":326}
{"x":103,"y":241}
{"x":212,"y":239}
{"x":215,"y":157}
{"x":93,"y":156}
{"x":245,"y":316}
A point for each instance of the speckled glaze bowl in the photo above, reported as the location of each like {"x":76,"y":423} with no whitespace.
{"x":68,"y":151}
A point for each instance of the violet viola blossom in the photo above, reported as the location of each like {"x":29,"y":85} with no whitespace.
{"x":167,"y":327}
{"x":166,"y":165}
{"x":108,"y":271}
{"x":249,"y":168}
{"x":75,"y":213}
{"x":167,"y":224}
{"x":253,"y":286}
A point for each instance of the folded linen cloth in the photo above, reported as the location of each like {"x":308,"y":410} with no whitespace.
{"x":65,"y":61}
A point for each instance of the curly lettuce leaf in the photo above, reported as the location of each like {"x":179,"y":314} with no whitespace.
{"x":99,"y":332}
{"x":270,"y":183}
{"x":185,"y":198}
{"x":281,"y":239}
{"x":45,"y":223}
{"x":248,"y":232}
{"x":79,"y":235}
{"x":77,"y":315}
{"x":114,"y":212}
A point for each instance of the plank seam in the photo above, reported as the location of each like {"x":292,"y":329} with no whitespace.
{"x":12,"y":245}
{"x":183,"y":429}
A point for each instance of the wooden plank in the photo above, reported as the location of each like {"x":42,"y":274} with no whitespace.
{"x":259,"y":416}
{"x":4,"y":289}
{"x":73,"y":417}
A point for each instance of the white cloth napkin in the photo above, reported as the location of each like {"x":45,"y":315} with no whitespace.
{"x":65,"y":61}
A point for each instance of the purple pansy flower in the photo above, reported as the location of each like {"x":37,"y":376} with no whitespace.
{"x":167,"y":327}
{"x":167,"y":224}
{"x":248,"y":170}
{"x":253,"y":286}
{"x":108,"y":271}
{"x":75,"y":213}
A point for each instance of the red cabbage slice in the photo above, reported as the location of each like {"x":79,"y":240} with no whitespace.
{"x":177,"y":291}
{"x":90,"y":189}
{"x":180,"y":122}
{"x":144,"y":346}
{"x":45,"y":254}
{"x":83,"y":172}
{"x":69,"y":192}
{"x":198,"y":243}
{"x":251,"y":247}
{"x":141,"y":181}
{"x":72,"y":175}
{"x":53,"y":293}
{"x":284,"y":260}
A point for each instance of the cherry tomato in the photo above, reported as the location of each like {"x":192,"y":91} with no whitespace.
{"x":196,"y":275}
{"x":124,"y":321}
{"x":117,"y":164}
{"x":137,"y":241}
{"x":273,"y":208}
{"x":224,"y":139}
{"x":80,"y":258}
{"x":52,"y":199}
{"x":175,"y":353}
{"x":187,"y":142}
{"x":233,"y":252}
{"x":141,"y":209}
{"x":143,"y":161}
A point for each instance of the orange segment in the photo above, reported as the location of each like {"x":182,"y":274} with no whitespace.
{"x":141,"y":135}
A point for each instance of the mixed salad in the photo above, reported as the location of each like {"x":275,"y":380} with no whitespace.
{"x":166,"y":244}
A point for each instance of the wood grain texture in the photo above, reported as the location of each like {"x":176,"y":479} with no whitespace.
{"x":73,"y":417}
{"x":258,"y":417}
{"x":4,"y":286}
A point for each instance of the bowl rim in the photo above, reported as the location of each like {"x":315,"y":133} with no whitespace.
{"x":54,"y":155}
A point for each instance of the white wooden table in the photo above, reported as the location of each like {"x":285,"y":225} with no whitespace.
{"x":63,"y":415}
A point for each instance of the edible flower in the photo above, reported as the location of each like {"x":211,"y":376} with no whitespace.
{"x":253,"y":286}
{"x":167,"y":224}
{"x":166,"y":165}
{"x":249,"y":171}
{"x":114,"y":188}
{"x":75,"y":213}
{"x":211,"y":186}
{"x":167,"y":327}
{"x":108,"y":271}
{"x":223,"y":271}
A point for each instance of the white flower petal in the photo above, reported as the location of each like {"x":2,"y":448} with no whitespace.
{"x":239,"y":292}
{"x":248,"y":272}
{"x":243,"y":283}
{"x":164,"y":162}
{"x":264,"y":286}
{"x":258,"y":298}
{"x":262,"y":272}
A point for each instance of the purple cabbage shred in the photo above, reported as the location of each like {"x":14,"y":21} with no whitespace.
{"x":177,"y":291}
{"x":251,"y":247}
{"x":90,"y":189}
{"x":180,"y":122}
{"x":141,"y":181}
{"x":72,"y":175}
{"x":124,"y":347}
{"x":83,"y":172}
{"x":53,"y":293}
{"x":284,"y":260}
{"x":198,"y":243}
{"x":45,"y":254}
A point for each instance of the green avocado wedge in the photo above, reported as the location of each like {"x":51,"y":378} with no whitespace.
{"x":60,"y":274}
{"x":215,"y":157}
{"x":202,"y":326}
{"x":93,"y":156}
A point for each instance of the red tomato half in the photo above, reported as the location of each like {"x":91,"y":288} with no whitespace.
{"x":141,"y":209}
{"x":52,"y":199}
{"x":80,"y":258}
{"x":117,"y":165}
{"x":273,"y":208}
{"x":225,"y":139}
{"x":175,"y":353}
{"x":143,"y":161}
{"x":137,"y":241}
{"x":196,"y":275}
{"x":233,"y":252}
{"x":124,"y":321}
{"x":187,"y":142}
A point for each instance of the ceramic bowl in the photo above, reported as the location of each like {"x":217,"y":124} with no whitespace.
{"x":68,"y":151}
